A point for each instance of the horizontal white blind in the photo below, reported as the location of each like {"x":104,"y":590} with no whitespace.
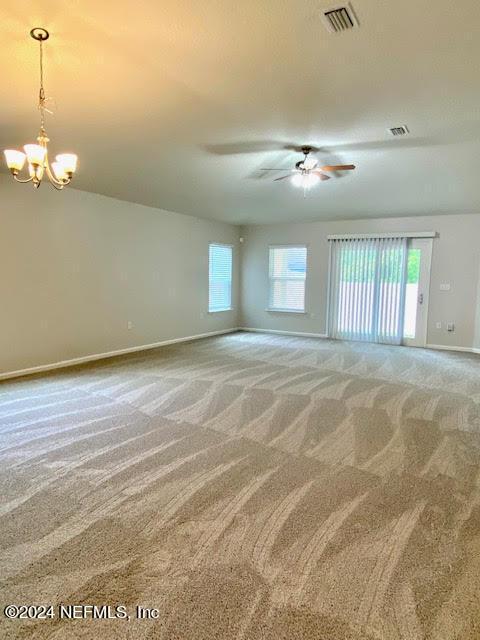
{"x":367,"y":289}
{"x":220,"y":277}
{"x":287,"y":271}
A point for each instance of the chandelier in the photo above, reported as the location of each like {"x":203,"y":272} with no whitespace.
{"x":59,"y":173}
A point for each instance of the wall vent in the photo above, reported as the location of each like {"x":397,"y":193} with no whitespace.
{"x":340,"y":19}
{"x":402,"y":130}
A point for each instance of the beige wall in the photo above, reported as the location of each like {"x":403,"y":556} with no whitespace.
{"x":76,"y":267}
{"x":455,"y":260}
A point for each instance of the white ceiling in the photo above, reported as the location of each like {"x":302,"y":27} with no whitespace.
{"x":153,"y":96}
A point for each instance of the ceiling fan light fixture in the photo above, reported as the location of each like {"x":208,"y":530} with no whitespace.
{"x":310,"y":180}
{"x":305,"y":180}
{"x":307,"y":173}
{"x":297,"y":180}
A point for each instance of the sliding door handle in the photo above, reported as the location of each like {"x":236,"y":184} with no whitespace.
{"x":420,"y":299}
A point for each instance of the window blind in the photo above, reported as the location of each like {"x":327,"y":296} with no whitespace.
{"x":287,"y":272}
{"x":219,"y":277}
{"x":367,"y":289}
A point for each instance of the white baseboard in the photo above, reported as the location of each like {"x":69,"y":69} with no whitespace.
{"x":284,"y":333}
{"x":145,"y":347}
{"x":109,"y":354}
{"x":439,"y":347}
{"x":444,"y":347}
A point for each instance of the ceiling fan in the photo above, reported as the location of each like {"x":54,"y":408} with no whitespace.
{"x":307,"y":173}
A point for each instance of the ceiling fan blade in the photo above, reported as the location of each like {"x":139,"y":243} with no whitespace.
{"x":246,"y":146}
{"x":322,"y":176}
{"x":338,"y":167}
{"x":283,"y":177}
{"x":256,"y":146}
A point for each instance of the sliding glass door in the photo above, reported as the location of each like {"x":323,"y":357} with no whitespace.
{"x":417,"y":289}
{"x":375,"y":289}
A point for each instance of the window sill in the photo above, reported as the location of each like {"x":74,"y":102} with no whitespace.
{"x":220,"y":310}
{"x":285,"y":311}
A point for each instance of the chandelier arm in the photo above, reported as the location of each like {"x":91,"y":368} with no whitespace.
{"x":55,"y":186}
{"x":21,"y":179}
{"x":51,"y":177}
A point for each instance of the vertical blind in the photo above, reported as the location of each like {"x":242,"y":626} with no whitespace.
{"x":287,"y":272}
{"x":220,"y":277}
{"x":367,"y":289}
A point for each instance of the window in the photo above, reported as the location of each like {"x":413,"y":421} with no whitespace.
{"x":287,"y":272}
{"x":219,"y":277}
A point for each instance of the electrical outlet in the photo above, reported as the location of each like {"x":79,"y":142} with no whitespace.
{"x":450,"y":326}
{"x":445,"y":287}
{"x":439,"y":325}
{"x":129,"y":325}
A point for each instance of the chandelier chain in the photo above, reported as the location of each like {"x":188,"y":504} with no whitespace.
{"x":41,"y":96}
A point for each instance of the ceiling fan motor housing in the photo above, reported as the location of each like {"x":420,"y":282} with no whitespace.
{"x":301,"y":163}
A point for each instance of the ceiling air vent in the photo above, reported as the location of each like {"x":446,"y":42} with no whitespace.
{"x":340,"y":19}
{"x":402,"y":130}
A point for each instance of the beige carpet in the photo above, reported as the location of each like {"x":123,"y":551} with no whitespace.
{"x":249,"y":487}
